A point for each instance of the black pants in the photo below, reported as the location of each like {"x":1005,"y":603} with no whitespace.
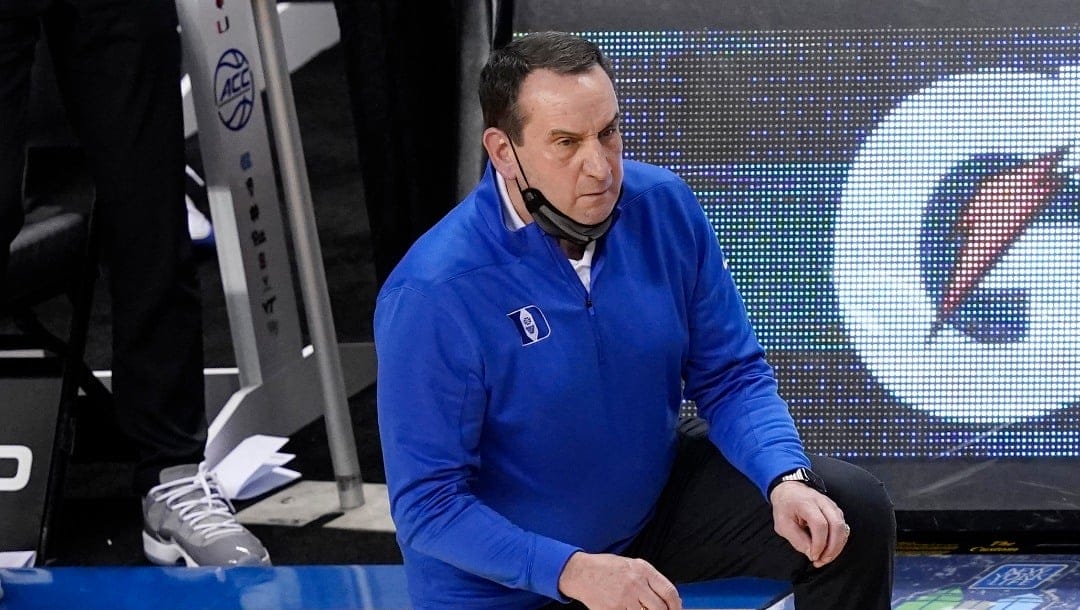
{"x":117,"y":64}
{"x":404,"y":84}
{"x":712,"y":522}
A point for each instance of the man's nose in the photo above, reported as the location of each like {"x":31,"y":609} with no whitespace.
{"x":595,"y":163}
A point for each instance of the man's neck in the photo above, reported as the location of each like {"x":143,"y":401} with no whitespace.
{"x":572,"y":250}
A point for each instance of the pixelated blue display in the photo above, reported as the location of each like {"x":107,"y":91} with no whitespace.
{"x":899,"y":208}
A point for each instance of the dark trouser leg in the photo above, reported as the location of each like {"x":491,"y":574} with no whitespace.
{"x":118,"y":64}
{"x":862,"y":576}
{"x":404,"y":80}
{"x":712,"y":522}
{"x":18,"y":36}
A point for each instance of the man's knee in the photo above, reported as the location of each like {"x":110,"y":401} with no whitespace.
{"x":867,"y":507}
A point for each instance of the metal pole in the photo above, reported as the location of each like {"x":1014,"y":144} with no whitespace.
{"x":294,"y":178}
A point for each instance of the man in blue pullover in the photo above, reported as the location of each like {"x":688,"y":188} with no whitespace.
{"x":534,"y":349}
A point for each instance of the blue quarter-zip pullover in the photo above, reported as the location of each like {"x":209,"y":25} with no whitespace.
{"x":524,"y":418}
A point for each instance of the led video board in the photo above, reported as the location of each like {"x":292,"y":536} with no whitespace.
{"x":899,"y":207}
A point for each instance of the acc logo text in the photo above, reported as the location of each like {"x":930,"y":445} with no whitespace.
{"x":234,"y":90}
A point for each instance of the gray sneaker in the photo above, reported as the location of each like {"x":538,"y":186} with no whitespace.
{"x":188,"y":517}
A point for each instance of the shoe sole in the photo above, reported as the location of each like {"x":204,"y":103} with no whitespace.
{"x":165,"y":553}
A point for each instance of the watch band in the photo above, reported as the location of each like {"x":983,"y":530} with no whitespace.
{"x":802,"y":475}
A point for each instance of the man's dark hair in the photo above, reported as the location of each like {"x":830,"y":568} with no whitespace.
{"x":506,"y":69}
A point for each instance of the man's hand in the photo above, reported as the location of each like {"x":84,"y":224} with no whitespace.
{"x":611,"y":582}
{"x":810,"y":521}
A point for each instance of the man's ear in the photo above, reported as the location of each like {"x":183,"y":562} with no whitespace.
{"x":497,"y":145}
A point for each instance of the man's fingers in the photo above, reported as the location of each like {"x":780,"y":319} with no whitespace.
{"x":819,"y":535}
{"x":796,"y":536}
{"x":838,"y":531}
{"x":652,"y":601}
{"x":838,"y":537}
{"x":666,"y":593}
{"x":660,"y":593}
{"x":811,"y":522}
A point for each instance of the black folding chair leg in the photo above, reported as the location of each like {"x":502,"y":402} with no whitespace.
{"x":75,"y":374}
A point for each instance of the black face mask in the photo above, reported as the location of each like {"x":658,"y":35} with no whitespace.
{"x":554,"y":222}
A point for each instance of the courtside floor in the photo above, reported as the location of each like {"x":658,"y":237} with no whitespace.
{"x":923,"y":582}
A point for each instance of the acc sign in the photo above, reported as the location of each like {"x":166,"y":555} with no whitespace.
{"x":234,"y":89}
{"x":24,"y":459}
{"x":957,"y":247}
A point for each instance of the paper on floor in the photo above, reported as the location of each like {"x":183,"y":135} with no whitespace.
{"x":17,"y":559}
{"x":254,"y":467}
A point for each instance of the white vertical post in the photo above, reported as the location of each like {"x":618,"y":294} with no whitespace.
{"x":226,"y":59}
{"x":308,"y":253}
